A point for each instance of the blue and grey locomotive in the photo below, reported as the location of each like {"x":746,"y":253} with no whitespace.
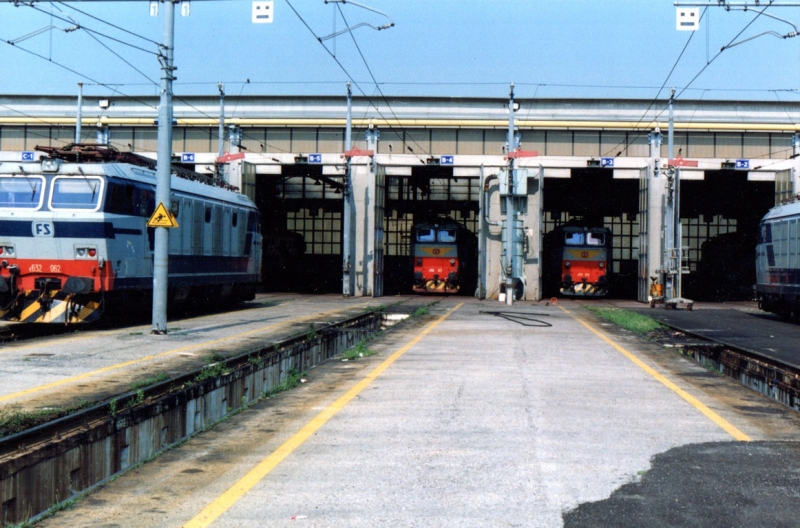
{"x":74,"y":240}
{"x":778,"y":261}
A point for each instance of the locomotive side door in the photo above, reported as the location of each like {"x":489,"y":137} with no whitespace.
{"x":379,"y":219}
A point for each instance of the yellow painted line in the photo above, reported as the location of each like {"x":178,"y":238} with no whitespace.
{"x":225,"y":501}
{"x":118,"y":366}
{"x":694,"y":402}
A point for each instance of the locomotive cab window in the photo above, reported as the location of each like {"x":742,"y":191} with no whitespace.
{"x":595,"y":239}
{"x":446,"y":235}
{"x":21,"y":192}
{"x":426,"y":235}
{"x":76,"y":193}
{"x":573,"y":239}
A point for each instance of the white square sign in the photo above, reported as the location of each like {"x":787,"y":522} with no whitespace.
{"x":688,"y":19}
{"x":263,"y":12}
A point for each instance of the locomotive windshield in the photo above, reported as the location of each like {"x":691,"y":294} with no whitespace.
{"x":71,"y":193}
{"x":595,"y":239}
{"x":21,"y":193}
{"x":573,"y":238}
{"x":426,"y":235}
{"x":446,"y":235}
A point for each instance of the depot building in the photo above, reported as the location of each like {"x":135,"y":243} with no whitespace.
{"x":597,"y":163}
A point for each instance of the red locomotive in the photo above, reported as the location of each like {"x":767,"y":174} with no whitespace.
{"x":582,"y":256}
{"x":442,"y":251}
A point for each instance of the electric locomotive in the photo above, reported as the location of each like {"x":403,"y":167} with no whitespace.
{"x":441,"y":253}
{"x":74,"y":240}
{"x":778,"y":261}
{"x":579,"y":259}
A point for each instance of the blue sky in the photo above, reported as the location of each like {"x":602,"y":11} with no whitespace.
{"x":558,"y":48}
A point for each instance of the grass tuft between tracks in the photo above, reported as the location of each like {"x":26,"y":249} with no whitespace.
{"x":635,"y":322}
{"x":358,"y":351}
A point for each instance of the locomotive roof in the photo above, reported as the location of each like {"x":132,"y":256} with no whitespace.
{"x":783,"y":210}
{"x":582,"y":228}
{"x":128,"y":171}
{"x":443,"y":222}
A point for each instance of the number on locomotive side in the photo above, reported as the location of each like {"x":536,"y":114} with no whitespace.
{"x":55,"y":268}
{"x":35,"y":268}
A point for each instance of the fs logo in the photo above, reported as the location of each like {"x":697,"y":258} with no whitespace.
{"x":43,"y":229}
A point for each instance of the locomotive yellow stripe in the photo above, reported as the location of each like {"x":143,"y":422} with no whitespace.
{"x":55,"y":313}
{"x":28,"y":314}
{"x":442,"y":251}
{"x":88,"y":310}
{"x":578,"y":253}
{"x":694,"y":402}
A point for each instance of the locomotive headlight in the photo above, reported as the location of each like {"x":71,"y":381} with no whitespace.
{"x":93,"y":252}
{"x":81,"y":252}
{"x":452,"y":262}
{"x":602,"y":265}
{"x":567,"y":264}
{"x":10,"y":251}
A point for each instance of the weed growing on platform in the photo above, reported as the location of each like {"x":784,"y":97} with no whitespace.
{"x":292,"y":380}
{"x":422,"y":310}
{"x":150,"y":380}
{"x":256,"y":361}
{"x":640,"y":324}
{"x":213,"y":370}
{"x":215,"y":357}
{"x":358,"y":351}
{"x":14,"y":421}
{"x":311,"y":334}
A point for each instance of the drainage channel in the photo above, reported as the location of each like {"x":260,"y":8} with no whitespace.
{"x":762,"y":374}
{"x":60,"y":460}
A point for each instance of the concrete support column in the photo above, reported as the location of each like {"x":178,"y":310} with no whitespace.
{"x":493,"y":246}
{"x":533,"y":233}
{"x":363,"y":235}
{"x":656,"y":196}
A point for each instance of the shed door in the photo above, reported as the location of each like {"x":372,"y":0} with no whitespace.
{"x":380,"y":215}
{"x":643,"y":281}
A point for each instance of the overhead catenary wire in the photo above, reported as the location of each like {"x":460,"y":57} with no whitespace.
{"x":89,"y":30}
{"x":346,"y":72}
{"x":658,"y":94}
{"x":119,"y":28}
{"x":377,"y":86}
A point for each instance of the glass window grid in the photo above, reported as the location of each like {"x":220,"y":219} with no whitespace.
{"x":697,"y":230}
{"x":321,"y":230}
{"x":751,"y":145}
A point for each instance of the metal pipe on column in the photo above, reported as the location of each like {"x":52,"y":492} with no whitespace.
{"x":508,"y":262}
{"x":347,"y":283}
{"x":79,"y":116}
{"x":221,"y":131}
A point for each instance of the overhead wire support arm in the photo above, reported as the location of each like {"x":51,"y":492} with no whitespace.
{"x":362,"y":24}
{"x":729,"y":5}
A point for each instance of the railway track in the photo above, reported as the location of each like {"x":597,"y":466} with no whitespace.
{"x":756,"y":350}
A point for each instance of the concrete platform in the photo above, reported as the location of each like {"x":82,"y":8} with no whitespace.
{"x":480,"y":415}
{"x":92,"y":365}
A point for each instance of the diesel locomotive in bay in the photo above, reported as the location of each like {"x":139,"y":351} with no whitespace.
{"x":74,"y":240}
{"x":443,"y":254}
{"x":577,"y":261}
